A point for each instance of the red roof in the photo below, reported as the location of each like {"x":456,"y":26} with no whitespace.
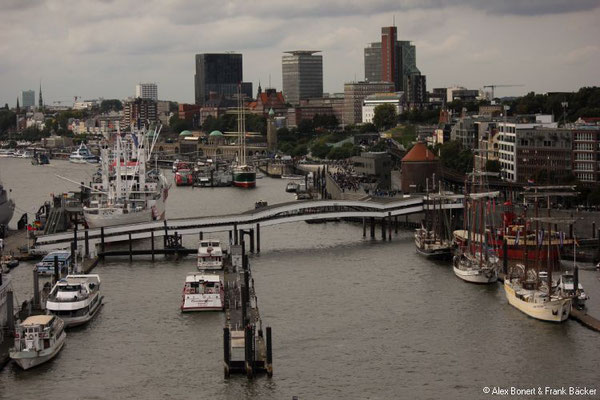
{"x":419,"y":153}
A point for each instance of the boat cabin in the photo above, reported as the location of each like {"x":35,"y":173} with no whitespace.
{"x":202,"y":284}
{"x":37,"y":332}
{"x":46,"y":266}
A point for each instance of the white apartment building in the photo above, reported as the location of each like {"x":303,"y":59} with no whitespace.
{"x":372,"y":101}
{"x":146,"y":91}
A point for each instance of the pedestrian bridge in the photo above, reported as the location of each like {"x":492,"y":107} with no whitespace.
{"x":254,"y":219}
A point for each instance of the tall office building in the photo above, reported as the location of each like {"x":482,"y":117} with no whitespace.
{"x":28,"y":98}
{"x":219,"y":73}
{"x":395,"y":59}
{"x":355,"y":93}
{"x":302,"y":75}
{"x":373,"y":62}
{"x":146,"y":91}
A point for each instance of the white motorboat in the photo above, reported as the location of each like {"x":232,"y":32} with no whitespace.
{"x":210,"y":255}
{"x":83,"y":155}
{"x":46,"y":266}
{"x":37,"y":340}
{"x":202,"y":292}
{"x":75,"y":299}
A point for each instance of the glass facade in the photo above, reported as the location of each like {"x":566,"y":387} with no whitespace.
{"x":220,"y":73}
{"x":302,"y":76}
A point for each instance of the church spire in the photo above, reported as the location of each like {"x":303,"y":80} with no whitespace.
{"x":18,"y":108}
{"x":41,"y":102}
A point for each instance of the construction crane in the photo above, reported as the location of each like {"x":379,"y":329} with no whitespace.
{"x":495,"y":86}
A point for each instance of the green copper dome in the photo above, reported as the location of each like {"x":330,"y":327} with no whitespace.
{"x":185,"y":133}
{"x":216,"y":133}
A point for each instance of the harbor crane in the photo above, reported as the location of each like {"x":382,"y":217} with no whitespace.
{"x":495,"y":86}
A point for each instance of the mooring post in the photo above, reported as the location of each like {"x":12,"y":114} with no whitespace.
{"x":396,"y":224}
{"x":152,"y":244}
{"x":56,"y":271}
{"x":226,"y":351}
{"x":364,"y":227}
{"x":36,"y":288}
{"x":10,"y":312}
{"x":249,"y":345}
{"x":570,"y":231}
{"x":383,"y":228}
{"x":230,"y":237}
{"x":372,"y":227}
{"x":269,"y":353}
{"x":102,"y":241}
{"x":75,"y":235}
{"x":235,"y":234}
{"x":72,"y":253}
{"x":201,"y":235}
{"x":389,"y":226}
{"x":505,"y":257}
{"x":251,"y":231}
{"x":87,"y":243}
{"x":257,"y":238}
{"x":130,"y":249}
{"x":166,"y":234}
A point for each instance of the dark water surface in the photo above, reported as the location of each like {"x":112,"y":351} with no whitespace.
{"x":352,"y":319}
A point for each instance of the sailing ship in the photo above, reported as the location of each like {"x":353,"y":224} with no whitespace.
{"x":244,"y":175}
{"x":529,"y":288}
{"x":126,"y":192}
{"x":432,"y":239}
{"x":476,"y":260}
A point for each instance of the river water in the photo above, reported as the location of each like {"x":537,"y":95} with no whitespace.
{"x":352,"y":318}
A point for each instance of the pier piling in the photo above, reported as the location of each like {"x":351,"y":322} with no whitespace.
{"x":226,"y":351}
{"x":102,"y":240}
{"x":201,"y":235}
{"x":152,"y":244}
{"x":10,"y":311}
{"x":87,"y":243}
{"x":364,"y":227}
{"x":396,"y":224}
{"x":251,"y":232}
{"x":56,"y":271}
{"x":269,"y":353}
{"x":165,"y":236}
{"x":130,"y":249}
{"x":389,"y":226}
{"x":505,"y":257}
{"x":372,"y":227}
{"x":257,"y":238}
{"x":36,"y":288}
{"x":383,"y":229}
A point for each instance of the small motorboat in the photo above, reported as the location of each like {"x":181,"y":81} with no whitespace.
{"x":38,"y":339}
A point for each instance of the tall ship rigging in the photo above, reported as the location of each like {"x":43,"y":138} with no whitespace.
{"x":244,"y":175}
{"x":126,"y":191}
{"x":476,"y":259}
{"x":529,"y":286}
{"x":433,"y":238}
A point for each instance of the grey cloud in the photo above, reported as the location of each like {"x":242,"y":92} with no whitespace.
{"x":20,"y":4}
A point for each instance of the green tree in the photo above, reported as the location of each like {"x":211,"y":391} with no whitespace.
{"x":319,"y":150}
{"x":385,"y":117}
{"x":325,"y":121}
{"x":299,"y":150}
{"x":110,"y":105}
{"x":454,"y":157}
{"x":367,"y":128}
{"x":8,"y":119}
{"x":179,"y":125}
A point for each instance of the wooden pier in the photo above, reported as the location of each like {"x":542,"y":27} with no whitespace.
{"x":246,"y":347}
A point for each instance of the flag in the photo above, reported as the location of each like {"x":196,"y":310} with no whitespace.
{"x":517,"y":238}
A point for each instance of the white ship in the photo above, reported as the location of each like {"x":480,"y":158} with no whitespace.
{"x":7,"y":207}
{"x":210,"y":255}
{"x":37,"y":340}
{"x":475,"y":268}
{"x":83,"y":155}
{"x":75,"y":299}
{"x":202,"y":292}
{"x":127,"y":192}
{"x":532,"y":299}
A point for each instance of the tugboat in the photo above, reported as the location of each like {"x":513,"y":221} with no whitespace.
{"x":202,"y":292}
{"x":75,"y":299}
{"x":37,"y":340}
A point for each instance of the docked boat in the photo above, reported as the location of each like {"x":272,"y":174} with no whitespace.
{"x":202,"y":292}
{"x":529,"y":287}
{"x":210,"y":255}
{"x":6,"y":153}
{"x":184,"y":177}
{"x":7,"y":206}
{"x":126,"y":193}
{"x":46,"y":266}
{"x":432,"y":239}
{"x":291,"y":187}
{"x":83,"y":155}
{"x":244,"y":175}
{"x":475,"y":268}
{"x":40,"y":158}
{"x":38,"y":339}
{"x":75,"y":299}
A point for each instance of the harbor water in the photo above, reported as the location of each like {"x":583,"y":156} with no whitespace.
{"x":352,"y":318}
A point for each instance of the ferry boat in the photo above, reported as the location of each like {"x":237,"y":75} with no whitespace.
{"x":75,"y":299}
{"x":83,"y":155}
{"x":210,"y":255}
{"x":202,"y":292}
{"x":38,"y":339}
{"x":46,"y":266}
{"x":126,"y":193}
{"x":7,"y":206}
{"x":184,"y":177}
{"x":244,"y":175}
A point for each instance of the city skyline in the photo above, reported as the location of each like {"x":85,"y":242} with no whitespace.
{"x":101,"y":49}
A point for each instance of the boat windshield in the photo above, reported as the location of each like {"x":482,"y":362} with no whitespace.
{"x":69,"y":288}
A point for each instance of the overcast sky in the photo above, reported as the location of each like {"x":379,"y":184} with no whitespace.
{"x":102,"y":48}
